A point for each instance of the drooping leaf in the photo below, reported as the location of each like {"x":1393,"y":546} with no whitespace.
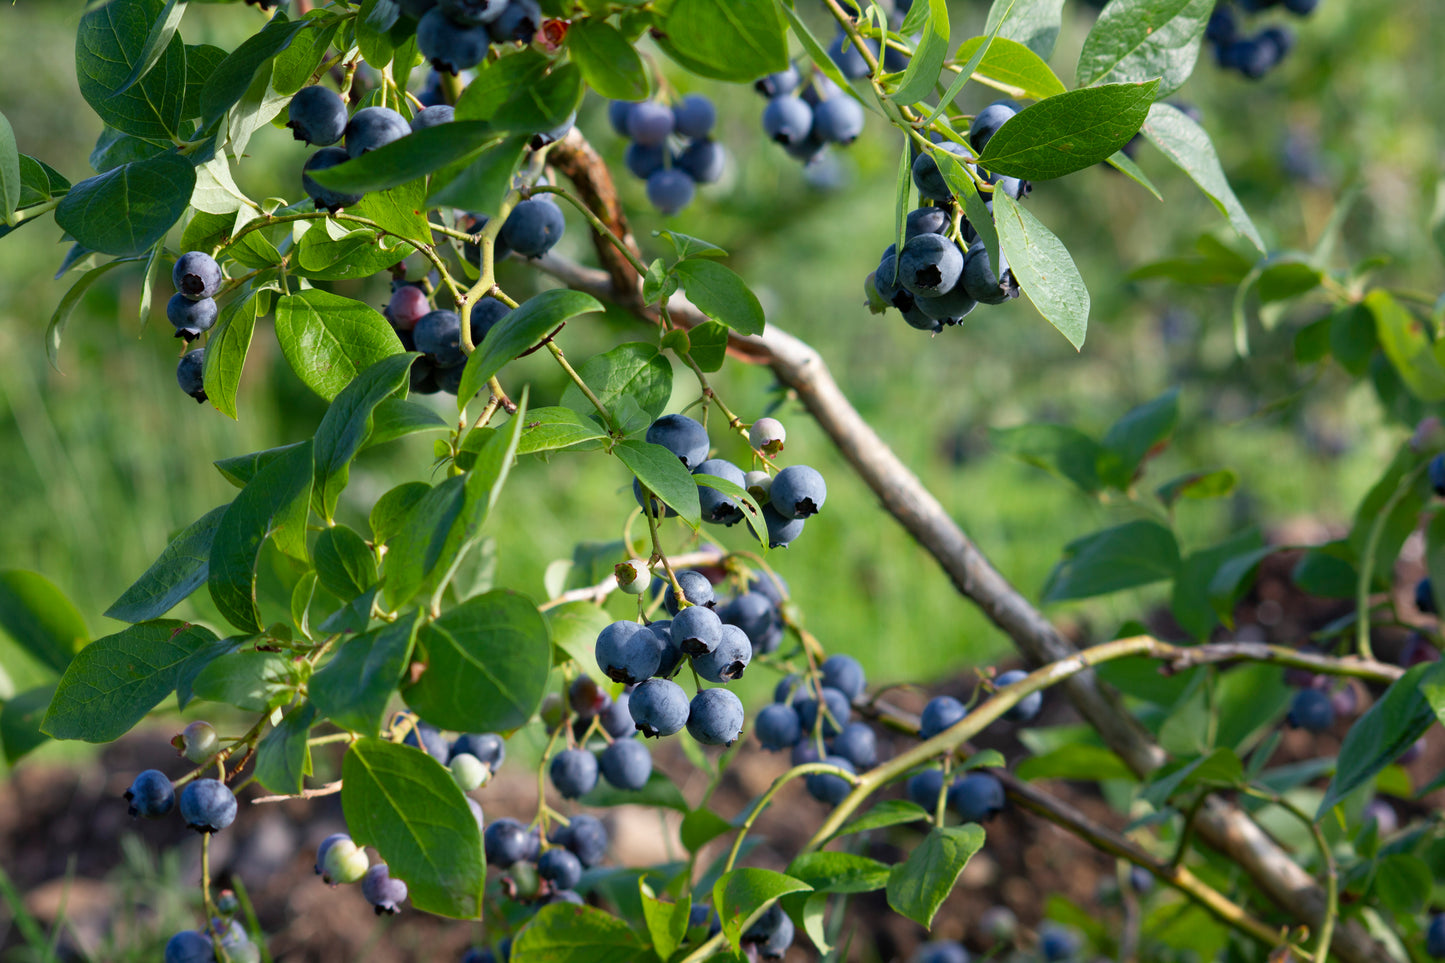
{"x":181,"y":569}
{"x":741,"y":895}
{"x":1059,"y":449}
{"x":1137,"y":40}
{"x":283,"y":757}
{"x":1133,"y":437}
{"x":1186,"y":144}
{"x":608,"y":62}
{"x":565,"y":933}
{"x":1043,"y":268}
{"x":347,"y":423}
{"x":660,"y":472}
{"x":226,"y":348}
{"x":920,"y":884}
{"x":521,"y":329}
{"x":40,"y":619}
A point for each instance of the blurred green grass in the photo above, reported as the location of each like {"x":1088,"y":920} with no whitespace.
{"x":105,"y":458}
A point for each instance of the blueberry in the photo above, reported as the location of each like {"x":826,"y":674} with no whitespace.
{"x":439,"y":334}
{"x":644,"y":160}
{"x":890,"y":289}
{"x":190,"y":374}
{"x":929,"y":265}
{"x":672,"y":656}
{"x":190,"y":318}
{"x":787,"y":120}
{"x":804,"y":752}
{"x":533,"y":227}
{"x":1012,"y":186}
{"x":785,"y":689}
{"x":317,"y":116}
{"x":506,"y":842}
{"x":759,"y":485}
{"x":649,"y":123}
{"x":407,"y":306}
{"x":777,"y":727}
{"x":950,"y":308}
{"x":942,"y":712}
{"x":477,"y":814}
{"x":685,"y":438}
{"x":1436,"y":472}
{"x":616,"y":717}
{"x":703,"y":915}
{"x":486,"y":314}
{"x":939,"y":951}
{"x":798,"y":492}
{"x":696,"y":588}
{"x":324,"y":197}
{"x":987,"y":123}
{"x":715,"y":717}
{"x":424,"y":736}
{"x":618,"y":113}
{"x":781,"y":530}
{"x":696,"y":630}
{"x":373,"y":127}
{"x":858,"y":744}
{"x":190,"y":946}
{"x":917,"y":319}
{"x":769,"y":585}
{"x":1301,"y":7}
{"x":1311,"y":710}
{"x":449,"y":378}
{"x":560,"y":867}
{"x":770,"y":922}
{"x":838,"y":120}
{"x":652,"y":504}
{"x":449,"y":46}
{"x":573,"y":772}
{"x":1222,"y":27}
{"x":344,"y":861}
{"x":207,"y":805}
{"x":659,"y":707}
{"x":473,"y":252}
{"x":433,"y":116}
{"x":976,"y":797}
{"x":776,"y":945}
{"x":472,"y":13}
{"x":727,"y":661}
{"x":925,"y":220}
{"x":844,"y":673}
{"x":383,"y":892}
{"x":626,"y":764}
{"x":150,"y":794}
{"x":929,"y":179}
{"x":628,"y":652}
{"x":848,"y":57}
{"x":1026,"y":708}
{"x":837,"y":707}
{"x":325,"y":848}
{"x":694,"y":116}
{"x":468,"y":771}
{"x":234,"y":941}
{"x":670,"y":190}
{"x":1434,"y":937}
{"x":479,"y":954}
{"x":703,"y":161}
{"x":1140,"y":879}
{"x":1425,"y":597}
{"x":924,"y":788}
{"x":717,"y":507}
{"x":197,"y":275}
{"x":517,"y":23}
{"x":758,"y":617}
{"x":778,"y":84}
{"x":767,"y":435}
{"x":586,"y":837}
{"x":1057,"y":943}
{"x":827,"y":787}
{"x":980,"y":281}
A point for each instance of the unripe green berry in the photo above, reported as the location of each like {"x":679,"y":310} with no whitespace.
{"x":758,"y":484}
{"x":767,"y":435}
{"x":199,"y":742}
{"x":525,"y":879}
{"x":633,"y":576}
{"x":345,"y":862}
{"x":469,"y":771}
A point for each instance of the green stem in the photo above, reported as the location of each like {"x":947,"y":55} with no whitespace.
{"x":767,"y":797}
{"x":556,"y":352}
{"x":1367,"y":562}
{"x":35,"y":211}
{"x":596,"y":223}
{"x":1332,"y":881}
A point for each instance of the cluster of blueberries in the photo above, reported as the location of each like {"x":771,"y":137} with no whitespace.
{"x":787,"y":500}
{"x":671,"y":148}
{"x":943,"y":270}
{"x":456,"y":34}
{"x":339,"y":860}
{"x":437,"y":334}
{"x":1056,"y":943}
{"x":806,"y":114}
{"x":199,"y":946}
{"x":812,"y":719}
{"x":192,"y":310}
{"x":1257,"y":54}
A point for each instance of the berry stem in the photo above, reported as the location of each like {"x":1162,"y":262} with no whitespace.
{"x":806,"y":769}
{"x":556,"y":352}
{"x":1367,"y":561}
{"x":596,"y":223}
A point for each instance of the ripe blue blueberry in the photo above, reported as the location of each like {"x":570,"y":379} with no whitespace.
{"x":573,"y":772}
{"x":1057,"y":943}
{"x":696,"y":630}
{"x":780,"y":83}
{"x":1140,"y":879}
{"x":924,"y":788}
{"x":938,"y":951}
{"x":586,"y":837}
{"x":787,"y":686}
{"x":928,"y":178}
{"x":533,"y":227}
{"x":626,"y":764}
{"x":505,"y":841}
{"x":703,"y":915}
{"x":449,"y":46}
{"x":670,"y":189}
{"x":650,"y":123}
{"x":325,"y":197}
{"x":197,"y":275}
{"x":517,"y":23}
{"x":987,"y":123}
{"x":838,"y":120}
{"x":717,"y":507}
{"x":827,"y":787}
{"x":837,"y":707}
{"x":804,"y":752}
{"x":652,"y":504}
{"x":758,"y":617}
{"x":715,"y":717}
{"x":942,"y":712}
{"x":628,"y":652}
{"x":844,"y":673}
{"x":890,"y":289}
{"x":1222,"y":27}
{"x":703,"y":160}
{"x":1012,"y":186}
{"x":858,"y":744}
{"x":433,"y":116}
{"x":848,"y":57}
{"x":781,"y":530}
{"x":929,"y":265}
{"x":728,"y":659}
{"x":1301,"y":7}
{"x":798,"y":492}
{"x":925,"y":220}
{"x":616,"y":717}
{"x":317,"y":116}
{"x":150,"y":794}
{"x":980,"y":280}
{"x":208,"y":805}
{"x":1435,"y":936}
{"x":449,"y":378}
{"x":1026,"y":708}
{"x":560,"y":867}
{"x":424,"y":736}
{"x":471,"y":13}
{"x":694,"y":116}
{"x":644,"y":160}
{"x":917,"y":319}
{"x":553,"y":134}
{"x":777,"y":727}
{"x":787,"y":120}
{"x":672,"y":656}
{"x":383,"y":891}
{"x":976,"y":797}
{"x":190,"y":946}
{"x":775,"y":947}
{"x":618,"y":114}
{"x":685,"y":438}
{"x":439,"y":334}
{"x":1425,"y":597}
{"x":373,"y":127}
{"x":488,"y":747}
{"x":190,"y":318}
{"x":659,"y":707}
{"x":190,"y":374}
{"x":487,"y":313}
{"x":473,"y":252}
{"x":1311,"y":710}
{"x":1436,"y":471}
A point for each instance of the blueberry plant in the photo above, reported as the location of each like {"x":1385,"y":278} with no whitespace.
{"x":443,"y":138}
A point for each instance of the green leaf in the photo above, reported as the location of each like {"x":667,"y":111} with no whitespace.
{"x":1197,"y":485}
{"x":664,"y":475}
{"x":1403,"y":883}
{"x":1126,"y":556}
{"x":565,"y":933}
{"x":736,"y":40}
{"x":928,"y":57}
{"x":1186,"y":144}
{"x":39,"y":182}
{"x":481,"y":183}
{"x":1085,"y":762}
{"x":328,"y":339}
{"x":608,"y":62}
{"x":344,"y":563}
{"x":116,"y":680}
{"x":828,"y":872}
{"x":708,"y":345}
{"x":232,"y":78}
{"x":10,"y":179}
{"x":408,"y":158}
{"x":1068,"y":132}
{"x":741,"y":895}
{"x":1194,"y":603}
{"x":1012,"y":68}
{"x":273,"y":504}
{"x":1058,"y":449}
{"x":58,"y":320}
{"x":1220,"y":769}
{"x":1043,"y":268}
{"x":542,"y":105}
{"x":660,"y":792}
{"x":547,"y":429}
{"x":1328,"y":570}
{"x":40,"y":619}
{"x":1136,"y":40}
{"x":283,"y":758}
{"x":20,"y":721}
{"x":700,"y":827}
{"x":487,"y":663}
{"x":388,"y":515}
{"x":240,"y":469}
{"x":889,"y":812}
{"x":251,"y":680}
{"x":353,"y":689}
{"x":522,"y":328}
{"x":666,"y":922}
{"x":226,"y":348}
{"x":394,"y":419}
{"x":920,"y":884}
{"x":502,"y":81}
{"x":181,"y":569}
{"x":634,"y":370}
{"x":1125,"y":165}
{"x":1033,"y":23}
{"x":1409,"y":348}
{"x":1134,"y":437}
{"x":1402,"y":715}
{"x":406,"y":805}
{"x":127,"y":210}
{"x":717,"y":291}
{"x":347,"y":423}
{"x":110,"y":45}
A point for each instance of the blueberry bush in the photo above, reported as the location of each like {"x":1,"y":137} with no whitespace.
{"x":445,"y":138}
